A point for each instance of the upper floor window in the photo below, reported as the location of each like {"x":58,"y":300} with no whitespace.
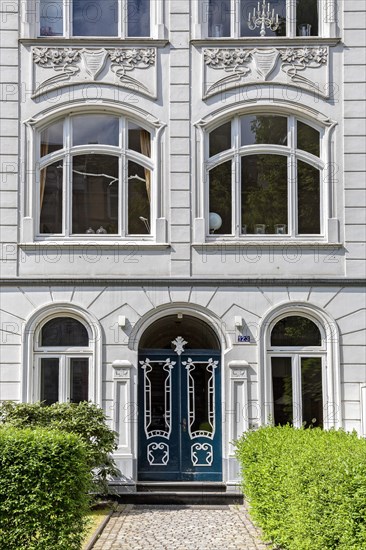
{"x":264,"y":177}
{"x":95,"y":177}
{"x":63,"y":359}
{"x":263,"y":18}
{"x":107,"y":18}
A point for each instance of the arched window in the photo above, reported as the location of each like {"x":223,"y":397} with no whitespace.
{"x":95,"y":178}
{"x":297,"y":363}
{"x":62,"y":361}
{"x":264,"y":177}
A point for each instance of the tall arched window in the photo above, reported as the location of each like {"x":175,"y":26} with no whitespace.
{"x":95,"y":178}
{"x":297,"y":363}
{"x":264,"y":177}
{"x":63,"y":355}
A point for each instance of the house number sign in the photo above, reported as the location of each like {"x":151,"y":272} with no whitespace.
{"x":243,"y":339}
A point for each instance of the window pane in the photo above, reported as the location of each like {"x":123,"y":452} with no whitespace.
{"x":282,"y":390}
{"x":51,"y":198}
{"x":95,"y":17}
{"x":249,"y":7}
{"x":219,"y":15}
{"x":220,"y":208}
{"x":52,"y":138}
{"x":79,"y":380}
{"x":138,"y":17}
{"x":93,"y":180}
{"x":220,"y":139}
{"x":308,"y":138}
{"x":264,"y":194}
{"x":308,"y":199}
{"x":96,"y":129}
{"x":49,"y":380}
{"x":295,"y":331}
{"x":51,"y":17}
{"x":139,"y":139}
{"x":307,"y":17}
{"x":139,"y":196}
{"x":263,"y":129}
{"x":64,"y":331}
{"x":311,"y":390}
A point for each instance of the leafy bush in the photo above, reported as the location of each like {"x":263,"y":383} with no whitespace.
{"x":86,"y":420}
{"x":43,"y":489}
{"x":306,"y":487}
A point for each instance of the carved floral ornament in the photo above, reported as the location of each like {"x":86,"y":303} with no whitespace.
{"x":258,"y":63}
{"x":68,"y":62}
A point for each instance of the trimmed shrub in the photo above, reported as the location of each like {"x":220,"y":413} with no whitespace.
{"x":43,"y":489}
{"x":87,"y":420}
{"x":306,"y":488}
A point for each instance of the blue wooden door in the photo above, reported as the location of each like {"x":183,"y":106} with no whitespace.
{"x":179,"y":416}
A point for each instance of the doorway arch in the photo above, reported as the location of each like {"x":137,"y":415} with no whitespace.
{"x":179,"y":400}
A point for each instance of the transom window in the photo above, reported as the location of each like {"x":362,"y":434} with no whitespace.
{"x":243,"y":18}
{"x":95,"y":177}
{"x":264,"y":178}
{"x":120,"y":18}
{"x":62,"y":362}
{"x":297,"y":372}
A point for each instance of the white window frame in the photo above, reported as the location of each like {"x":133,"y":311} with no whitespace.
{"x":293,"y":155}
{"x":64,"y":355}
{"x":121,"y":152}
{"x":327,"y":14}
{"x":30,"y":16}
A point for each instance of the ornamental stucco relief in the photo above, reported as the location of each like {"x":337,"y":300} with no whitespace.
{"x":55,"y":67}
{"x":227,"y":68}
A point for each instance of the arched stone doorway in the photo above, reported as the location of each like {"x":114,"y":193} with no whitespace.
{"x":179,"y":393}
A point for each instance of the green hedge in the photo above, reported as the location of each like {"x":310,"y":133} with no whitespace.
{"x":306,"y":487}
{"x":85,"y":419}
{"x":44,"y":478}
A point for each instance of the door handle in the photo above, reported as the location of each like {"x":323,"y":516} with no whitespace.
{"x":184,"y":425}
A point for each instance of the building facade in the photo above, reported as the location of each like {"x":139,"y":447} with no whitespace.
{"x":183,"y":210}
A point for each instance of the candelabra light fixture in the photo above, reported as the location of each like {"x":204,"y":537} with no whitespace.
{"x":263,"y":18}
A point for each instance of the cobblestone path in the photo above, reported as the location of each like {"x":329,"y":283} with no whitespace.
{"x":148,"y":527}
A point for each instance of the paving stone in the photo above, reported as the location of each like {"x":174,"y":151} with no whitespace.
{"x":157,"y":527}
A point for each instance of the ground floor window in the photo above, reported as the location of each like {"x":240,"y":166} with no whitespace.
{"x":297,"y":365}
{"x":62,"y":362}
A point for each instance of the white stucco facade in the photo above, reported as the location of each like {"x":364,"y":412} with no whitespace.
{"x":180,"y":86}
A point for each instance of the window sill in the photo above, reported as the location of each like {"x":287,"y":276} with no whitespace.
{"x":116,"y":244}
{"x":269,"y":242}
{"x":90,"y":41}
{"x":266,"y":41}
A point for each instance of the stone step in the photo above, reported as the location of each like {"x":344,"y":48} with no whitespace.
{"x":181,"y":498}
{"x":177,"y":487}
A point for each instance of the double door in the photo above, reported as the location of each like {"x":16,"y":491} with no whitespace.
{"x":179,"y":416}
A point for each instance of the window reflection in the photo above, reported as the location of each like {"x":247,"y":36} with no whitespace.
{"x":95,"y":17}
{"x":308,"y":138}
{"x":311,"y":389}
{"x":263,"y":129}
{"x":51,"y":198}
{"x":295,"y":331}
{"x":264,"y":194}
{"x":308,"y":199}
{"x":221,"y":198}
{"x":138,"y":17}
{"x":51,"y":17}
{"x":139,"y":197}
{"x":220,"y":139}
{"x":139,"y":139}
{"x":95,"y":129}
{"x":93,"y":175}
{"x":52,"y":138}
{"x":282,"y":390}
{"x":219,"y":18}
{"x":64,"y":331}
{"x":49,"y":380}
{"x":79,"y":380}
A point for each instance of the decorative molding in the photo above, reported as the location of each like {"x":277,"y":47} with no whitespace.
{"x":239,"y":369}
{"x":244,"y":66}
{"x":179,"y":344}
{"x":121,"y":369}
{"x":89,"y":64}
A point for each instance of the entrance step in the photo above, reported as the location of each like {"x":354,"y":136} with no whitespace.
{"x":184,"y":493}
